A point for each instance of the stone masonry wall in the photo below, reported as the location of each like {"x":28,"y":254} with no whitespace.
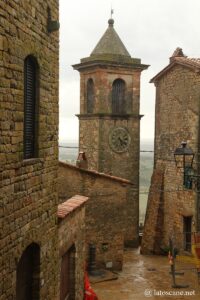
{"x":95,"y":134}
{"x":177,"y":120}
{"x":103,"y":79}
{"x":105,"y":210}
{"x":72,"y":233}
{"x":95,"y":130}
{"x":154,"y":212}
{"x":28,"y":189}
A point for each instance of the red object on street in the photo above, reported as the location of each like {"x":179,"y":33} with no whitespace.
{"x":89,"y":294}
{"x":197,"y":244}
{"x":171,"y":259}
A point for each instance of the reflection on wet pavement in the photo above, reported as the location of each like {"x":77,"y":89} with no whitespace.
{"x":147,"y":277}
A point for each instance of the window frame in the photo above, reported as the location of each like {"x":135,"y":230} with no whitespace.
{"x":118,"y":96}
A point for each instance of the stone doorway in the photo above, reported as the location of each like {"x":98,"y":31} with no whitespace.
{"x":28,"y":274}
{"x":67,"y":280}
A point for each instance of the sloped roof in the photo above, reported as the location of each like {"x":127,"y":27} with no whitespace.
{"x":191,"y":62}
{"x":179,"y":58}
{"x":110,"y":51}
{"x":110,"y":43}
{"x":70,"y":205}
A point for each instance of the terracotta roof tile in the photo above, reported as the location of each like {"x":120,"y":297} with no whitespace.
{"x":192,"y":63}
{"x":70,"y":205}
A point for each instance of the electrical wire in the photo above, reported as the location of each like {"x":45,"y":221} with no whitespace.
{"x":154,"y":191}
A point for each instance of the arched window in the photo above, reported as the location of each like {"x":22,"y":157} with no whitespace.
{"x":28,"y":274}
{"x":90,"y":96}
{"x":30,"y":106}
{"x":118,"y":96}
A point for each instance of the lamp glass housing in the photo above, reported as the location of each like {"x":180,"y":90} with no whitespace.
{"x":184,"y":156}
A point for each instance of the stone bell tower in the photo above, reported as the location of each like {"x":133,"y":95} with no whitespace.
{"x":110,"y":116}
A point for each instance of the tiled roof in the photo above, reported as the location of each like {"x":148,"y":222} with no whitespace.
{"x":92,"y":172}
{"x":192,"y":63}
{"x":70,"y":205}
{"x":195,"y":62}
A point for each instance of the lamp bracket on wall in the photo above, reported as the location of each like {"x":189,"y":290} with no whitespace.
{"x":52,"y":25}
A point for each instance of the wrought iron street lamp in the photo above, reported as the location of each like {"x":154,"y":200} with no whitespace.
{"x":184,"y":157}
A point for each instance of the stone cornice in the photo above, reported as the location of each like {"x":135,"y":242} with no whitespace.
{"x":109,"y":116}
{"x":111,"y":64}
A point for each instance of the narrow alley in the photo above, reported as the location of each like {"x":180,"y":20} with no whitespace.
{"x":148,"y":277}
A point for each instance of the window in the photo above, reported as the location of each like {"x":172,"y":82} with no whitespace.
{"x":188,"y":173}
{"x":28,"y":274}
{"x":90,"y":96}
{"x":118,"y":96}
{"x":30,"y":106}
{"x":187,"y":228}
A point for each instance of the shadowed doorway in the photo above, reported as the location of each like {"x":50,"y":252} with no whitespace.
{"x":67,"y":282}
{"x":28,"y":274}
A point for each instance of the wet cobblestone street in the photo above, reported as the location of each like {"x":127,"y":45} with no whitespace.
{"x":146,"y":277}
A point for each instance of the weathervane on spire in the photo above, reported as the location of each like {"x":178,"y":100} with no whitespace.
{"x":111,"y":12}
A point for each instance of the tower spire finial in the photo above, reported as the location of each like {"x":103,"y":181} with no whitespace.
{"x":111,"y":12}
{"x":111,"y":21}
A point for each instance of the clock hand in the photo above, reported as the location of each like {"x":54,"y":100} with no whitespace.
{"x":120,"y":140}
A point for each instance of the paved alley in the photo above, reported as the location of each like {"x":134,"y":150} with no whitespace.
{"x":148,"y":277}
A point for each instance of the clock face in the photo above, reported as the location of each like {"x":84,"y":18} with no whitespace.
{"x":119,"y":139}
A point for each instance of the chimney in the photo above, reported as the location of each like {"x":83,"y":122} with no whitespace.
{"x":177,"y":53}
{"x":81,"y":161}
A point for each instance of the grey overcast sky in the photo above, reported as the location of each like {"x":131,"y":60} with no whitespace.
{"x":150,"y":30}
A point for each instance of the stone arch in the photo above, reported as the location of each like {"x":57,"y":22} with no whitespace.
{"x":28,"y":274}
{"x":118,"y":96}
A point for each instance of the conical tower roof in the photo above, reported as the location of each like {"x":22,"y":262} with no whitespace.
{"x":110,"y":43}
{"x":110,"y":51}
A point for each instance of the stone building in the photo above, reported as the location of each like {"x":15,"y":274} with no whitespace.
{"x":32,"y":254}
{"x":105,"y":210}
{"x":110,"y":117}
{"x":71,"y":238}
{"x":173,"y":203}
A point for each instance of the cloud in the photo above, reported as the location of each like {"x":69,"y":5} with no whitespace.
{"x":68,"y":129}
{"x":150,"y":30}
{"x":69,"y":98}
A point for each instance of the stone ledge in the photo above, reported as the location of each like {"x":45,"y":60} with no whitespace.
{"x":70,"y":205}
{"x":109,"y":116}
{"x":95,"y":173}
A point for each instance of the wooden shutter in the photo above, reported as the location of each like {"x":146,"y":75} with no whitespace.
{"x":118,"y":96}
{"x":29,"y":108}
